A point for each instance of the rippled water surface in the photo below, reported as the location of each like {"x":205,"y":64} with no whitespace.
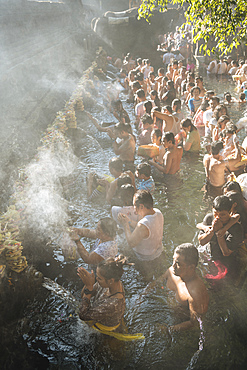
{"x":51,"y":328}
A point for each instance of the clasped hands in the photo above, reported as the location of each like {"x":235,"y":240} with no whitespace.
{"x":86,"y":277}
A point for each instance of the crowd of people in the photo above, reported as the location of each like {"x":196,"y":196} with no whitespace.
{"x":174,"y":114}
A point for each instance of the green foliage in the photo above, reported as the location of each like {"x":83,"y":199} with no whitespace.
{"x":222,"y":21}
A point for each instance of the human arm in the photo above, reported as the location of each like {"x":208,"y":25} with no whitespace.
{"x":140,"y":232}
{"x":122,"y":218}
{"x":76,"y":233}
{"x":90,"y":258}
{"x":233,"y":220}
{"x":96,"y":123}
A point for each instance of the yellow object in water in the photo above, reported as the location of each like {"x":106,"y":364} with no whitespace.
{"x":109,"y":330}
{"x":148,"y":151}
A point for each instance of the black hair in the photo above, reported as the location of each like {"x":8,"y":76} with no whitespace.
{"x":222,"y":203}
{"x":233,"y":186}
{"x":177,"y":103}
{"x":187,"y":123}
{"x":116,"y":163}
{"x":145,"y":198}
{"x":231,"y":128}
{"x":242,"y":96}
{"x":195,"y":88}
{"x":161,"y":70}
{"x":169,"y":136}
{"x":204,"y":105}
{"x":136,"y":85}
{"x":236,"y":197}
{"x":144,"y":169}
{"x":140,"y":93}
{"x":126,"y":193}
{"x":146,"y":118}
{"x":217,"y":111}
{"x":148,"y":106}
{"x":190,"y":253}
{"x":169,"y":108}
{"x":216,"y":147}
{"x":112,"y":268}
{"x":108,"y":226}
{"x":157,"y":132}
{"x":121,"y":126}
{"x":222,"y":119}
{"x":124,"y":178}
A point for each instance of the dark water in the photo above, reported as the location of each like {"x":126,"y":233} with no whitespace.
{"x":54,"y":337}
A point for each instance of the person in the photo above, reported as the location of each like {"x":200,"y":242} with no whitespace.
{"x":105,"y":245}
{"x":98,"y":185}
{"x":144,"y":137}
{"x":172,"y":157}
{"x":126,"y":147}
{"x":145,"y":180}
{"x":195,"y":102}
{"x":235,"y":186}
{"x":119,"y":112}
{"x":189,"y":288}
{"x":139,"y":108}
{"x":156,"y":137}
{"x":215,"y":167}
{"x":192,"y":141}
{"x":126,"y":194}
{"x":103,"y":301}
{"x":170,"y":95}
{"x":170,"y":122}
{"x":223,"y":245}
{"x":212,"y":67}
{"x":146,"y":238}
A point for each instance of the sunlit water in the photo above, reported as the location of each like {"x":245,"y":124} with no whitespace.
{"x":51,"y":327}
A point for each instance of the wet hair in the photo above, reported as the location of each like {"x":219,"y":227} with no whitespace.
{"x":157,"y":132}
{"x":136,"y":85}
{"x":236,"y":197}
{"x":144,"y":169}
{"x":139,"y":76}
{"x":215,"y":98}
{"x":222,"y":203}
{"x":146,"y":118}
{"x":242,"y":96}
{"x":195,"y":88}
{"x":116,"y":163}
{"x":217,"y":111}
{"x":204,"y":105}
{"x":175,"y":62}
{"x":112,"y":268}
{"x":233,"y":186}
{"x":199,"y":78}
{"x":208,"y":93}
{"x":139,"y":61}
{"x":140,"y":93}
{"x":169,"y":136}
{"x":189,"y":84}
{"x":124,"y":178}
{"x":222,"y":119}
{"x":227,"y":96}
{"x":161,"y":70}
{"x":156,"y":99}
{"x":148,"y":106}
{"x":145,"y":198}
{"x":151,"y":74}
{"x":177,"y":104}
{"x":168,"y":108}
{"x":170,"y":83}
{"x":187,"y":123}
{"x":216,"y":147}
{"x":231,"y":128}
{"x":126,"y":193}
{"x":108,"y":226}
{"x":190,"y":253}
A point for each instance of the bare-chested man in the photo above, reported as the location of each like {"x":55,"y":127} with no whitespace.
{"x":126,"y":147}
{"x":189,"y":289}
{"x":215,"y":167}
{"x":172,"y":157}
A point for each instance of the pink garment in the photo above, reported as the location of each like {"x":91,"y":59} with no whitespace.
{"x":198,"y":122}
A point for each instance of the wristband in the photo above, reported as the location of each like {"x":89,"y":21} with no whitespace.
{"x":87,"y":291}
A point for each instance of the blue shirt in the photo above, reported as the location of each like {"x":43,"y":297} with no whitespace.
{"x":146,"y":185}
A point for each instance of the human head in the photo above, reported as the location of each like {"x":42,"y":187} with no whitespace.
{"x":176,"y":105}
{"x":237,"y":202}
{"x":185,"y":260}
{"x":143,"y":198}
{"x":136,"y":86}
{"x":111,"y":268}
{"x":147,"y":120}
{"x":126,"y":193}
{"x":227,"y":97}
{"x":167,"y":109}
{"x":242,"y":96}
{"x":161,"y":72}
{"x":143,"y":170}
{"x":124,"y":178}
{"x":232,"y":186}
{"x":115,"y":165}
{"x":170,"y":84}
{"x":108,"y":226}
{"x":195,"y":91}
{"x":222,"y":208}
{"x":186,"y":124}
{"x":148,"y":106}
{"x":221,"y":123}
{"x":167,"y":138}
{"x":214,"y":102}
{"x":231,"y":128}
{"x":190,"y":253}
{"x":156,"y":136}
{"x":216,"y":147}
{"x":140,"y":94}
